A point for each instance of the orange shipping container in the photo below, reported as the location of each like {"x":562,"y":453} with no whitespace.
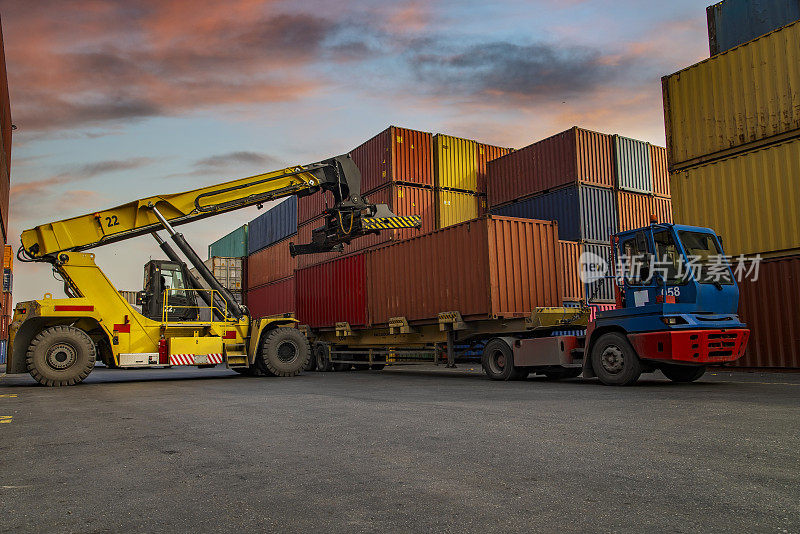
{"x":493,"y":267}
{"x":8,"y":257}
{"x":485,"y":154}
{"x":662,"y":209}
{"x":395,"y":155}
{"x":270,"y":264}
{"x":633,"y":210}
{"x":570,"y":261}
{"x":659,"y":170}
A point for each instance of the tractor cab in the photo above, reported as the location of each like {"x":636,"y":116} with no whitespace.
{"x":167,"y":294}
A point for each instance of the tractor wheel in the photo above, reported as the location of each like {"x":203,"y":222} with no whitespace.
{"x":284,"y":352}
{"x":61,"y":356}
{"x":498,"y":362}
{"x":683,"y":373}
{"x":321,"y":357}
{"x":614,"y":361}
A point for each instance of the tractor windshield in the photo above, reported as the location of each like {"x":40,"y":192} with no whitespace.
{"x":704,"y":258}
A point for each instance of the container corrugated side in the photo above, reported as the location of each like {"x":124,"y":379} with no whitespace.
{"x":269,"y":264}
{"x":634,"y":210}
{"x":232,"y":245}
{"x":312,"y":206}
{"x":662,"y":209}
{"x":272,"y":299}
{"x":602,"y":290}
{"x":276,"y":224}
{"x":455,"y":163}
{"x":485,"y":154}
{"x":735,"y":22}
{"x":395,"y":155}
{"x":660,"y":170}
{"x":573,"y":156}
{"x":453,"y":207}
{"x":584,"y":213}
{"x":751,"y":200}
{"x":768,"y":307}
{"x":570,"y":260}
{"x":634,"y":168}
{"x":332,"y":292}
{"x":486,"y":268}
{"x":5,"y":109}
{"x":742,"y":96}
{"x":402,"y":200}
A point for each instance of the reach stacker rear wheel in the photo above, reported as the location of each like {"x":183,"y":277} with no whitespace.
{"x":614,"y":361}
{"x":61,"y":356}
{"x":284,"y":352}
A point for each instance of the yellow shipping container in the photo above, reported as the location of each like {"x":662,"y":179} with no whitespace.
{"x":453,"y":207}
{"x":747,"y":94}
{"x":455,"y":164}
{"x":752,"y":200}
{"x":8,"y":257}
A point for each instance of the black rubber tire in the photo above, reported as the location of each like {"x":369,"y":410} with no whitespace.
{"x":284,"y":352}
{"x":45,"y":353}
{"x":498,"y":361}
{"x":683,"y":373}
{"x":562,"y":374}
{"x":311,"y":366}
{"x":614,"y":361}
{"x":323,"y":362}
{"x":341,"y":367}
{"x":377,"y":366}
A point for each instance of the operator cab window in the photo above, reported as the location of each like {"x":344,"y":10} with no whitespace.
{"x":707,"y":262}
{"x":669,"y":260}
{"x":636,"y":258}
{"x":173,"y":279}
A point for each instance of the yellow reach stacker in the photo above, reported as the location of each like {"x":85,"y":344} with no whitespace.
{"x":58,"y":340}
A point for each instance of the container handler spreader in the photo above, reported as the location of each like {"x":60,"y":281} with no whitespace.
{"x":58,"y":340}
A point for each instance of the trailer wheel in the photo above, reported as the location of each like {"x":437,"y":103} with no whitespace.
{"x":61,"y":356}
{"x":614,"y":361}
{"x":284,"y":352}
{"x":321,"y":357}
{"x":498,"y":362}
{"x":683,"y":373}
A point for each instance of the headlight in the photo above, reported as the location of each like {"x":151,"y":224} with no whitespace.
{"x":672,"y":320}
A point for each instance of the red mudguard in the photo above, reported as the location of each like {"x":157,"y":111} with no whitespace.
{"x":692,"y":346}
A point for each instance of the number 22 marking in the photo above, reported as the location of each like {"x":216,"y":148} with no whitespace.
{"x":112,"y":221}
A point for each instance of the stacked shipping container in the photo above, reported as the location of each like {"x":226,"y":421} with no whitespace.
{"x":733,"y":137}
{"x":592,"y":183}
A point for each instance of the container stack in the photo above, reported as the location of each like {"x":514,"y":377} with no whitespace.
{"x":733,"y":139}
{"x":593,"y":184}
{"x":227,"y":260}
{"x":6,"y":302}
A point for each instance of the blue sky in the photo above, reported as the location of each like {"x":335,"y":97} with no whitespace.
{"x":116,"y":100}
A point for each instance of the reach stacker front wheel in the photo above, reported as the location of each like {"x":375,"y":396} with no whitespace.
{"x":614,"y":361}
{"x":61,"y":356}
{"x":284,"y":352}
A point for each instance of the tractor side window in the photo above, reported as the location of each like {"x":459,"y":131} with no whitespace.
{"x":635,"y":259}
{"x":669,"y":262}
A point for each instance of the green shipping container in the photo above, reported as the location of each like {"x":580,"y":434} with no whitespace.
{"x":233,"y":245}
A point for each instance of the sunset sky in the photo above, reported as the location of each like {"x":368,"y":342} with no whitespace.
{"x":114,"y":102}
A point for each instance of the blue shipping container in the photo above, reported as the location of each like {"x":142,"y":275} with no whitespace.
{"x":602,"y":290}
{"x":3,"y":349}
{"x":632,"y":159}
{"x":278,"y":223}
{"x":735,"y":22}
{"x":583,"y":212}
{"x":233,"y":245}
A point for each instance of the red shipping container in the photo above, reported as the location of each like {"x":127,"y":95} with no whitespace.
{"x":270,"y":264}
{"x":570,"y":261}
{"x":574,"y":156}
{"x":485,"y":154}
{"x":332,"y":292}
{"x":662,"y":209}
{"x":312,"y":206}
{"x":768,"y":307}
{"x":493,"y":267}
{"x":402,"y":200}
{"x":395,"y":155}
{"x":660,"y":171}
{"x":633,"y":210}
{"x":272,"y":299}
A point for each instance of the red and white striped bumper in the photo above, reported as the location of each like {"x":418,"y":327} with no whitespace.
{"x":195,"y":359}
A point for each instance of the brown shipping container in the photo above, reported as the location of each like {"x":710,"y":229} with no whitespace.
{"x":570,"y":261}
{"x":311,"y":207}
{"x":272,"y":299}
{"x":633,"y":210}
{"x":401,"y":199}
{"x":662,"y":209}
{"x":485,"y":154}
{"x":768,"y":307}
{"x":5,"y":106}
{"x":493,"y":267}
{"x":395,"y":155}
{"x":573,"y":156}
{"x":660,"y":171}
{"x":332,"y":292}
{"x":270,"y":264}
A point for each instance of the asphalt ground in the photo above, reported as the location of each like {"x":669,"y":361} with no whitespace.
{"x":417,"y":449}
